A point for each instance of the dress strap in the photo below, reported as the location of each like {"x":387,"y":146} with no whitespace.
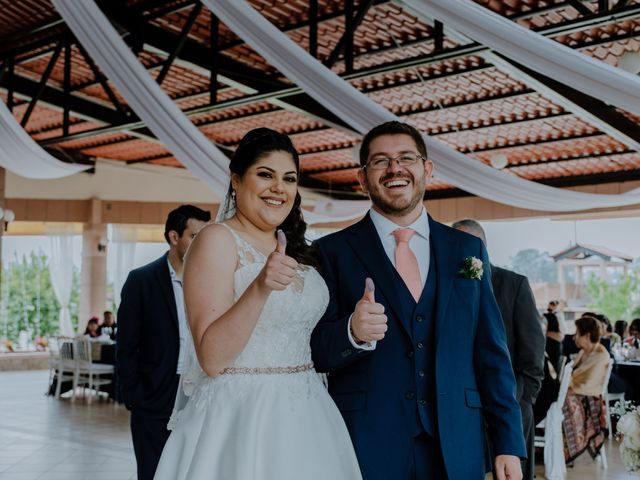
{"x":247,"y":253}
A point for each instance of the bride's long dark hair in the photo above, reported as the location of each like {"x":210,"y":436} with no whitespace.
{"x":253,"y":146}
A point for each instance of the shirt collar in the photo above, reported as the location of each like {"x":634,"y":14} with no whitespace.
{"x":385,"y":227}
{"x":172,"y":272}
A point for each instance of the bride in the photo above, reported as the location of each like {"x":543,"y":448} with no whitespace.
{"x":255,"y":407}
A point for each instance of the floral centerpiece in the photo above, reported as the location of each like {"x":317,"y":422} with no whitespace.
{"x":628,"y":434}
{"x":41,"y":344}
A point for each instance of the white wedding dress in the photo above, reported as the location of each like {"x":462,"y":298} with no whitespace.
{"x":269,"y":416}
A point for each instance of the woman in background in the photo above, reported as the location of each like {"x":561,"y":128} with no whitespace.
{"x":584,"y":421}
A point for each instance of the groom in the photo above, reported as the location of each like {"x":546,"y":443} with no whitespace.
{"x":418,"y":363}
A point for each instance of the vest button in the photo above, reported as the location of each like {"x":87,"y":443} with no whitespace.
{"x":423,"y":402}
{"x":347,"y":352}
{"x":420,"y":345}
{"x":410,"y":354}
{"x":409,"y":395}
{"x":421,"y":373}
{"x":419,"y":319}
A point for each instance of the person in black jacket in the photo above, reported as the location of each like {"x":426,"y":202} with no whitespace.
{"x":151,"y":336}
{"x":524,"y":338}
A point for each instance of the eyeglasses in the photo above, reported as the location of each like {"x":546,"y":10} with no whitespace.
{"x":382,"y":162}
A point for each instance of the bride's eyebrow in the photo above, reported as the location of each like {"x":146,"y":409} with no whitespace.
{"x":292,"y":172}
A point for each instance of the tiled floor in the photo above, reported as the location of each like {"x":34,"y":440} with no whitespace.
{"x":45,"y":438}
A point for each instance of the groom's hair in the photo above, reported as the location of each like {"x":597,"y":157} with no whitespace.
{"x":391,"y":128}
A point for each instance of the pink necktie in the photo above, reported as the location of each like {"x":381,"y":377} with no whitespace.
{"x":406,"y":262}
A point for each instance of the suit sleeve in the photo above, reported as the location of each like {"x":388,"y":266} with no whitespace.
{"x":494,"y":374}
{"x":331,"y":348}
{"x":130,"y":314}
{"x":529,"y":343}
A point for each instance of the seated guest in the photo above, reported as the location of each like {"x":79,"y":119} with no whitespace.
{"x":553,"y":342}
{"x":584,"y":421}
{"x":621,"y":328}
{"x":634,"y":333}
{"x":552,"y":362}
{"x":92,"y":328}
{"x":605,"y":339}
{"x":108,"y":326}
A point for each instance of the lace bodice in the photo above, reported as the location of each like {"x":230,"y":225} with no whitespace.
{"x":282,"y":334}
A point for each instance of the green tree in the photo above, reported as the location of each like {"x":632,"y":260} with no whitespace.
{"x":617,"y":301}
{"x":28,"y":299}
{"x":537,"y":266}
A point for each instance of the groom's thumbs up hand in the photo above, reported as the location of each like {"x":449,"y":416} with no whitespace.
{"x":368,"y":323}
{"x":279,"y":270}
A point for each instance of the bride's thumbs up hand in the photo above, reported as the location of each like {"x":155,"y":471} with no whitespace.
{"x":368,"y":322}
{"x":279,"y":270}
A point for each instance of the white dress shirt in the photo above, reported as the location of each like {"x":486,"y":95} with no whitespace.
{"x":419,"y":245}
{"x":183,"y":328}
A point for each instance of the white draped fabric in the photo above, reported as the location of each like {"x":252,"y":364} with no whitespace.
{"x":554,"y":465}
{"x":593,"y":77}
{"x":362,"y":114}
{"x":146,"y":98}
{"x":20,"y":154}
{"x":61,"y":272}
{"x":123,"y":250}
{"x":144,"y":95}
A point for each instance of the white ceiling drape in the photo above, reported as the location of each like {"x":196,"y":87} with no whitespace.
{"x":20,"y":154}
{"x":586,"y":74}
{"x":194,"y":150}
{"x":362,"y":113}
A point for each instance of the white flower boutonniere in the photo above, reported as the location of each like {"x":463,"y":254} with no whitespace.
{"x":472,"y":268}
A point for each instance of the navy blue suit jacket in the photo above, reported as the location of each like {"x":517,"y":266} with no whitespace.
{"x":148,"y":340}
{"x":474,"y":381}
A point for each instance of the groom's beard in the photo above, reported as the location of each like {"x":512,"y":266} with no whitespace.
{"x":396,"y":207}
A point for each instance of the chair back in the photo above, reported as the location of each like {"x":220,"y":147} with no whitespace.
{"x":563,"y":362}
{"x":64,"y":345}
{"x":607,"y":376}
{"x":82,"y":350}
{"x":564,"y":383}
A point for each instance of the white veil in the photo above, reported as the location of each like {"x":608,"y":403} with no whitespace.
{"x":192,"y":374}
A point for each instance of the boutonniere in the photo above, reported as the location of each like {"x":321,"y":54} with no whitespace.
{"x":472,"y":268}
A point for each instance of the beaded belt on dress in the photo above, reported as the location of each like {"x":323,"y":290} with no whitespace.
{"x":266,"y":370}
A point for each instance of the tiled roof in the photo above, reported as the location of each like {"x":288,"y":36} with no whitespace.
{"x":459,"y":98}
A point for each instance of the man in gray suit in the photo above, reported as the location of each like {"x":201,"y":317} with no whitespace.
{"x":524,"y":339}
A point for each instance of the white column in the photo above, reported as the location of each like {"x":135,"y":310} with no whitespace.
{"x":93,"y":273}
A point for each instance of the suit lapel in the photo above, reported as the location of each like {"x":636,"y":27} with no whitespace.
{"x":367,"y":246}
{"x":445,"y":249}
{"x":166,"y":288}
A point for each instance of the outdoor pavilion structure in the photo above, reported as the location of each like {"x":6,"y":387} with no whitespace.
{"x":505,"y":115}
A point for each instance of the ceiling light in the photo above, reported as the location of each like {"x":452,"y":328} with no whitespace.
{"x":499,"y":161}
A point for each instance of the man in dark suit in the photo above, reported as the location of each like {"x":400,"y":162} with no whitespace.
{"x":151,"y":333}
{"x":524,"y":339}
{"x":418,"y":364}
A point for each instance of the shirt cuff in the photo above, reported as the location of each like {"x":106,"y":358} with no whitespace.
{"x":360,"y":346}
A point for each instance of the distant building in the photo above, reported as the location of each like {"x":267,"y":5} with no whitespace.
{"x":575,"y":265}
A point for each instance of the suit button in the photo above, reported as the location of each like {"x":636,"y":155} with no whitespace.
{"x":420,"y":345}
{"x":421,"y":373}
{"x":419,"y":319}
{"x":410,"y":354}
{"x":409,"y":395}
{"x":423,"y":402}
{"x":347,"y":352}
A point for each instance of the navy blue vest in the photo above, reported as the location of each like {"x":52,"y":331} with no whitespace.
{"x":419,"y":320}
